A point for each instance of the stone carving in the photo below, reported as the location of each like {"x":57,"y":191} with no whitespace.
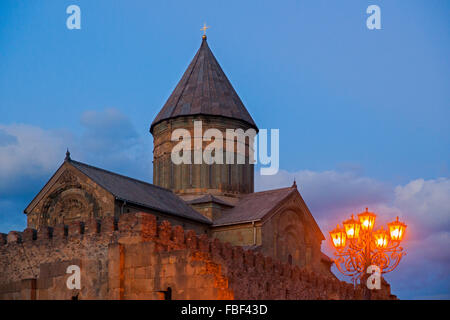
{"x":66,"y":205}
{"x":67,"y":178}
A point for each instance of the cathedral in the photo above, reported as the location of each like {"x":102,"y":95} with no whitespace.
{"x":199,"y":231}
{"x":217,"y":200}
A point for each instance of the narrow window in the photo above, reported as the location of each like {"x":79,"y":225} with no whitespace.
{"x":171,"y":175}
{"x":210,"y":175}
{"x":244,"y":177}
{"x":163,"y":172}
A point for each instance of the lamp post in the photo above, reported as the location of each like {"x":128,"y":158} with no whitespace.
{"x":358,"y":246}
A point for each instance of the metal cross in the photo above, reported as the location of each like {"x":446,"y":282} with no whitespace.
{"x":204,"y":29}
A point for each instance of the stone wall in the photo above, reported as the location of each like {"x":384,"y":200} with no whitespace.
{"x":137,"y":258}
{"x":242,"y":234}
{"x":287,"y":233}
{"x":160,"y":216}
{"x":69,"y":196}
{"x":200,"y":179}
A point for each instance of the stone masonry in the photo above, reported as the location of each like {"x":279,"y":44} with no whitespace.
{"x":137,"y":258}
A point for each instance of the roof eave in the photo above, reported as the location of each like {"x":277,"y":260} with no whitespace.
{"x":236,"y":223}
{"x":154,"y":124}
{"x":163,"y":211}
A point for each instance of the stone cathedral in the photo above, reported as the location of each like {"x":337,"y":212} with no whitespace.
{"x":115,"y":219}
{"x":218,"y":199}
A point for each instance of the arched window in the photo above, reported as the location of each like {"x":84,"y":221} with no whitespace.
{"x":290,"y":259}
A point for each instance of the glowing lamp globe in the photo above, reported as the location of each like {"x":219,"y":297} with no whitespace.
{"x":367,"y":220}
{"x":381,"y":238}
{"x":367,"y":246}
{"x":351,"y":227}
{"x":397,"y":230}
{"x":338,"y":237}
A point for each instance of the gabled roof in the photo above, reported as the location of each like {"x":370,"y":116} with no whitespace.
{"x":204,"y":89}
{"x":139,"y":192}
{"x":209,"y":198}
{"x":256,"y":206}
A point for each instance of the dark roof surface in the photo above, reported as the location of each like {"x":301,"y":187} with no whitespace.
{"x":254,"y":206}
{"x":140,"y":192}
{"x":209,"y":198}
{"x":204,"y":89}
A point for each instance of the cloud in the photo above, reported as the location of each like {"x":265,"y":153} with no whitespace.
{"x":29,"y":155}
{"x":427,"y":202}
{"x":110,"y":141}
{"x":329,"y":191}
{"x":107,"y":130}
{"x":423,"y":204}
{"x":6,"y":139}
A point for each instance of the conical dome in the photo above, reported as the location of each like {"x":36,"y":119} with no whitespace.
{"x":204,"y":89}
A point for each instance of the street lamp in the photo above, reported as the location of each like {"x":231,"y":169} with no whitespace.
{"x":352,"y":227}
{"x":338,"y":237}
{"x":367,"y":220}
{"x":397,"y":230}
{"x":359,"y":246}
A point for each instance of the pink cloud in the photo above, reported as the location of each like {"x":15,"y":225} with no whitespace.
{"x":423,"y":204}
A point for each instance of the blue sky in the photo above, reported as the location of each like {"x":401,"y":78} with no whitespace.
{"x":363,"y":114}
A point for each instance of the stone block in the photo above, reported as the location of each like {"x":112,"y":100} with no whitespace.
{"x":108,"y":225}
{"x":203,"y":243}
{"x":59,"y":232}
{"x":191,"y":240}
{"x":44,"y":283}
{"x":29,"y":235}
{"x":3,"y":238}
{"x":44,"y":233}
{"x":14,"y":237}
{"x":92,"y":226}
{"x":178,"y":235}
{"x":140,"y":273}
{"x":147,"y":224}
{"x":164,"y":232}
{"x":169,"y":270}
{"x":75,"y":229}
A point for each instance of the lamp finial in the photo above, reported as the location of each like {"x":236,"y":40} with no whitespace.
{"x":67,"y":158}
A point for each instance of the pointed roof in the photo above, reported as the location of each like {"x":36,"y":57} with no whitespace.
{"x":128,"y":190}
{"x":254,"y":206}
{"x":139,"y":192}
{"x":258,"y":205}
{"x":204,"y":89}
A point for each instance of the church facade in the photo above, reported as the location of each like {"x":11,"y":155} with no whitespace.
{"x":118,"y":223}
